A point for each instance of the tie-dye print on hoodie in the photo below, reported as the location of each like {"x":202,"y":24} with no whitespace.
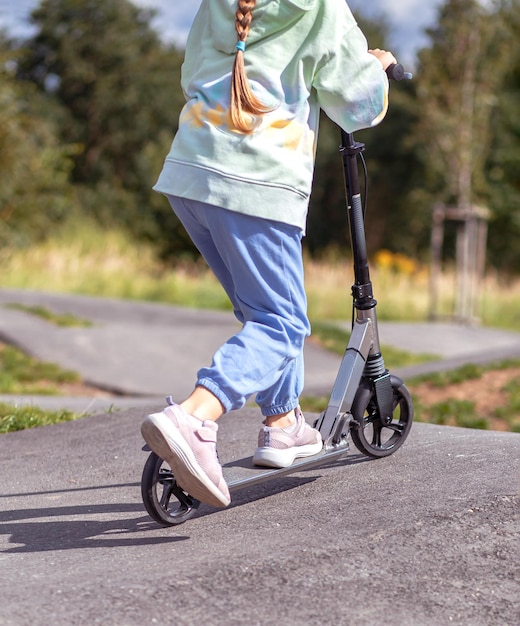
{"x":301,"y":55}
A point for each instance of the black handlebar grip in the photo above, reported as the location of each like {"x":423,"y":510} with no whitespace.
{"x":396,"y":72}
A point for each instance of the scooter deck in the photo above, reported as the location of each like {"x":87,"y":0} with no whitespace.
{"x":242,"y":473}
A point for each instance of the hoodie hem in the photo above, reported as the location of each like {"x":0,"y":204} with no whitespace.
{"x":257,"y":198}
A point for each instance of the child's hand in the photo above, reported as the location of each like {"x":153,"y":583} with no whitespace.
{"x":385,"y":58}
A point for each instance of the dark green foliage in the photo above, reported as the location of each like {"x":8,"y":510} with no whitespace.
{"x":503,"y":165}
{"x":90,"y":104}
{"x":467,"y":131}
{"x":35,"y":192}
{"x":118,"y":86}
{"x":393,"y":171}
{"x":106,"y":67}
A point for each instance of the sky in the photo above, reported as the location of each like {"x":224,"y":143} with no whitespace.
{"x":407,"y":18}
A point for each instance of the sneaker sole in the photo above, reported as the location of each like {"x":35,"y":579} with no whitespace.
{"x":269,"y":457}
{"x":168,"y":443}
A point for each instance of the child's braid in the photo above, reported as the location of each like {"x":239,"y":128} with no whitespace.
{"x":244,"y":103}
{"x":244,"y":17}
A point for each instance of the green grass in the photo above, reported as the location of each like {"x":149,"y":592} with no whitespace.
{"x":23,"y":374}
{"x":453,"y":411}
{"x":334,"y":338}
{"x":470,"y":371}
{"x":59,"y":319}
{"x":463,"y":413}
{"x":459,"y":412}
{"x":83,"y":258}
{"x":13,"y":418}
{"x":511,"y":412}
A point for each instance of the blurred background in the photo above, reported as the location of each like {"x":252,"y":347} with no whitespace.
{"x":89,"y":103}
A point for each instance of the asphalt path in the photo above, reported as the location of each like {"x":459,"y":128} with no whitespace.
{"x":427,"y":536}
{"x":140,"y":352}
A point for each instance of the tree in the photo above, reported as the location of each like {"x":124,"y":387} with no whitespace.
{"x":118,"y":86}
{"x":460,"y":75}
{"x":503,"y":162}
{"x":463,"y":71}
{"x":35,"y":191}
{"x":393,"y":170}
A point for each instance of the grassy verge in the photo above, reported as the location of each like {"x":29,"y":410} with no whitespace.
{"x":21,"y":374}
{"x":473,"y":396}
{"x":60,"y":319}
{"x":14,"y":418}
{"x":85,"y":259}
{"x":82,"y":258}
{"x":483,"y":397}
{"x":334,"y":338}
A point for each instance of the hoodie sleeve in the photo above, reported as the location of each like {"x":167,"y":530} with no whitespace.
{"x":351,"y":85}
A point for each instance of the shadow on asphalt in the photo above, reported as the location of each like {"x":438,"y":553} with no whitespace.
{"x":58,"y":491}
{"x":275,"y":485}
{"x":44,"y":535}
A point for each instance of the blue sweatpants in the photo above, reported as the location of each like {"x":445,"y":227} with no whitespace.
{"x":259,"y":264}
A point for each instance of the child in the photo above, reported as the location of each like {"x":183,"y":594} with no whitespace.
{"x":239,"y":176}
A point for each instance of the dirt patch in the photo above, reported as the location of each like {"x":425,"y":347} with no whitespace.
{"x":487,"y":392}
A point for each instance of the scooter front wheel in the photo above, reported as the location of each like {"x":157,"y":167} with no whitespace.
{"x":370,"y":434}
{"x":164,"y":500}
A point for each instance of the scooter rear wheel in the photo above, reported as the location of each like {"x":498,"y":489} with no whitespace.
{"x":370,"y":435}
{"x":164,"y":500}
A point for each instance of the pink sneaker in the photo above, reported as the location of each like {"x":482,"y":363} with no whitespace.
{"x":189,"y":446}
{"x":279,"y":447}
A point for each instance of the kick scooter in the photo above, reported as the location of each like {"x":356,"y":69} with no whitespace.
{"x":367,"y":403}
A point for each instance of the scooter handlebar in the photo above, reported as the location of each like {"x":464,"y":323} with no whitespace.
{"x":396,"y":72}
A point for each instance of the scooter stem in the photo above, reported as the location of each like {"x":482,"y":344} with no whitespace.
{"x":362,"y":288}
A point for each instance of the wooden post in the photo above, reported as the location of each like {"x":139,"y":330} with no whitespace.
{"x":470,"y":259}
{"x":437,"y":238}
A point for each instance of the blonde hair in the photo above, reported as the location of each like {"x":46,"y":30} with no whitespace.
{"x":244,"y":103}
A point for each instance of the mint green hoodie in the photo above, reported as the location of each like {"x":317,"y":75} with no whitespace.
{"x":302,"y":55}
